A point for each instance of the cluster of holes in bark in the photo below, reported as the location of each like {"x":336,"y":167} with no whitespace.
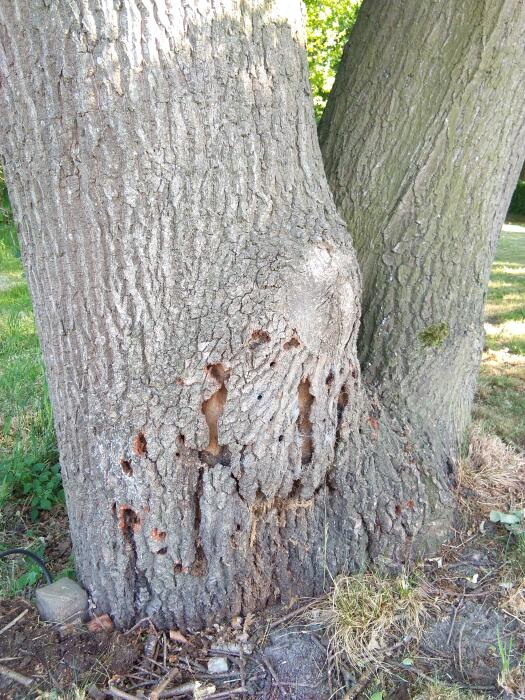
{"x":234,"y":543}
{"x":198,"y":568}
{"x":305,"y":399}
{"x":129,"y":522}
{"x":410,"y":505}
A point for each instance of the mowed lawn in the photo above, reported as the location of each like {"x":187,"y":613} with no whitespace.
{"x":500,"y":398}
{"x":28,"y":457}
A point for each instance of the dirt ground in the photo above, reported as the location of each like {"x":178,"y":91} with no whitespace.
{"x":279,"y":655}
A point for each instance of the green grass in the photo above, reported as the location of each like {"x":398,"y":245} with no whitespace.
{"x":500,"y":400}
{"x":505,"y":308}
{"x":28,"y":453}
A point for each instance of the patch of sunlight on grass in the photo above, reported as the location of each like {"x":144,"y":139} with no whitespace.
{"x":500,"y":396}
{"x":510,"y":269}
{"x":513,"y":227}
{"x":507,"y":335}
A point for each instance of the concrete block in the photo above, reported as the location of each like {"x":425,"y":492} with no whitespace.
{"x":61,"y":601}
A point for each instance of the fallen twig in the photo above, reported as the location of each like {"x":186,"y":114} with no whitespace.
{"x":291,"y":615}
{"x":364,"y":680}
{"x":275,"y":677}
{"x":137,"y":625}
{"x":155,"y":693}
{"x":515,"y":617}
{"x":453,"y":624}
{"x":116,"y":693}
{"x":184,"y":689}
{"x":361,"y":684}
{"x":15,"y":676}
{"x":13,"y":622}
{"x":227,"y":693}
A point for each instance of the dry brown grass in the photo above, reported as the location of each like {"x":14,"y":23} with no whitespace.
{"x":512,"y":682}
{"x":436,"y":690}
{"x":493,"y":475}
{"x":366,"y":613}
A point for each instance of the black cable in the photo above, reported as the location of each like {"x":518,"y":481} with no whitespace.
{"x":31,"y":555}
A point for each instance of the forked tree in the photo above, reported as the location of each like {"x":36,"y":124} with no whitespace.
{"x":198,"y":297}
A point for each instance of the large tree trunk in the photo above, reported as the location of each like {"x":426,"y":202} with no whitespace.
{"x":197,"y":298}
{"x":418,"y":140}
{"x":196,"y":295}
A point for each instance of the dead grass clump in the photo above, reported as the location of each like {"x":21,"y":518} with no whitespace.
{"x":493,"y":475}
{"x":436,"y":690}
{"x":366,"y":613}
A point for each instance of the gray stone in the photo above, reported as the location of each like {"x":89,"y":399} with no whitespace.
{"x":61,"y":601}
{"x":218,"y":664}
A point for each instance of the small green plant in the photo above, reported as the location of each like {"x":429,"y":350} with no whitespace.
{"x":513,"y":520}
{"x":434,"y":336}
{"x":32,"y":472}
{"x":505,"y":655}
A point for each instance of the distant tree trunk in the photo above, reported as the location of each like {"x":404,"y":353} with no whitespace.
{"x":197,"y":299}
{"x":522,"y":173}
{"x":419,"y":144}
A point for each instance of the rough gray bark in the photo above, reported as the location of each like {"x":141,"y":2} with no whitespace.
{"x":197,"y":299}
{"x":419,"y":144}
{"x":196,"y":295}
